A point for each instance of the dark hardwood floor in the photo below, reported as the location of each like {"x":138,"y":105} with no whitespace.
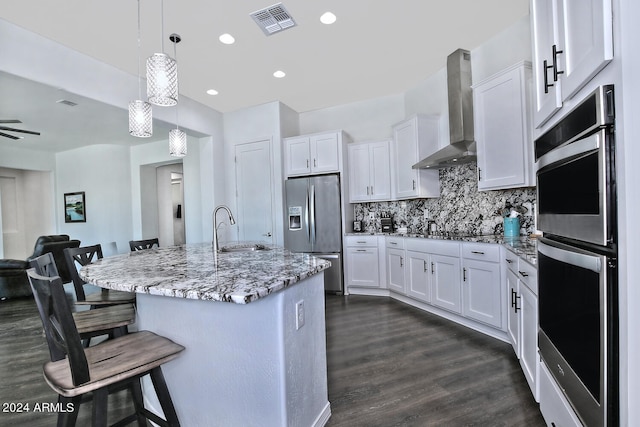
{"x":388,"y":364}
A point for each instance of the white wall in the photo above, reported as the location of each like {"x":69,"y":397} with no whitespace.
{"x":102,"y":172}
{"x":363,"y":120}
{"x":248,"y":125}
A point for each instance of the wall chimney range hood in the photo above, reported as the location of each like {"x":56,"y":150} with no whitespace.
{"x":462,"y":147}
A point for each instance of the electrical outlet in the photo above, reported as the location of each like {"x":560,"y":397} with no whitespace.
{"x":372,"y":216}
{"x":299,"y":314}
{"x":426,"y":214}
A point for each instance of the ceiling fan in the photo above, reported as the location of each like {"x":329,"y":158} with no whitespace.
{"x":10,"y":129}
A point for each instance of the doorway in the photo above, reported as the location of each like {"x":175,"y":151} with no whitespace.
{"x":162,"y":208}
{"x":27,"y":210}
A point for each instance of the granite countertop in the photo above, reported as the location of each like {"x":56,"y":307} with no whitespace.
{"x":194,"y":271}
{"x":523,"y":246}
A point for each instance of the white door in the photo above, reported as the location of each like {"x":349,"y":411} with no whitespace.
{"x":254,"y":189}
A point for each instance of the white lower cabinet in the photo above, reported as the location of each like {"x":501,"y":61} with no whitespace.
{"x":395,"y":265}
{"x":446,"y":285}
{"x":522,"y":288}
{"x":481,"y":284}
{"x":362,"y":262}
{"x":418,"y":280}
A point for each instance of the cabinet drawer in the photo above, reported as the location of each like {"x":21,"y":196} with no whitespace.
{"x":364,"y":241}
{"x":433,"y":246}
{"x":395,"y":242}
{"x":528,"y":274}
{"x":512,"y":261}
{"x":481,"y":251}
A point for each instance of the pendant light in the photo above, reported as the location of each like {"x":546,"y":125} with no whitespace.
{"x":177,"y":138}
{"x":140,"y":114}
{"x":162,"y":75}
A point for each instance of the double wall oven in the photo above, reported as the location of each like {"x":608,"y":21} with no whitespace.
{"x":577,"y":257}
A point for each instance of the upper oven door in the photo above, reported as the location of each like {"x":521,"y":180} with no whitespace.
{"x":575,"y":190}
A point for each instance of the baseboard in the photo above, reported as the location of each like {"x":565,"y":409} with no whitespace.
{"x":323,"y":417}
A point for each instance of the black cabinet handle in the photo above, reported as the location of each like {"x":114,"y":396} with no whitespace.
{"x":432,"y":268}
{"x":513,"y":298}
{"x":555,"y":52}
{"x":523,"y":274}
{"x":545,"y":67}
{"x":477,"y":252}
{"x":479,"y":174}
{"x":464,"y":274}
{"x":509,"y":261}
{"x":516,"y":308}
{"x":425,"y":266}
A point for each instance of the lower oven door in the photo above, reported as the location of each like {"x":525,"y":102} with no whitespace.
{"x":576,"y":302}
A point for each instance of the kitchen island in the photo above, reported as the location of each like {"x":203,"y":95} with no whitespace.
{"x":252,"y":323}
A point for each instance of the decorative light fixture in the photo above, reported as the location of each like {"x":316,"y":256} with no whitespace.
{"x":177,"y":138}
{"x":162,"y":75}
{"x":140,"y":114}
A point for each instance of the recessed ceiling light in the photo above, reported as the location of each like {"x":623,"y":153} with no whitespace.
{"x":279,"y":74}
{"x":328,"y":18}
{"x":212,"y":92}
{"x":226,"y":38}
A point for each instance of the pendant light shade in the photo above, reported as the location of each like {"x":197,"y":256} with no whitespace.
{"x":162,"y":74}
{"x":140,"y":115}
{"x":162,"y":80}
{"x":140,"y":119}
{"x":177,"y":143}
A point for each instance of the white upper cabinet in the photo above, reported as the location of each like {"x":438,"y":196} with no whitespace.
{"x":572,"y":42}
{"x":313,"y":154}
{"x":369,"y":171}
{"x":501,"y":106}
{"x":414,"y":139}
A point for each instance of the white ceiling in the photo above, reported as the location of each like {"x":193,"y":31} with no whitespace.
{"x":376,"y":47}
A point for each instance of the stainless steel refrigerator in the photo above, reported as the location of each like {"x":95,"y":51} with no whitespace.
{"x":313,"y":222}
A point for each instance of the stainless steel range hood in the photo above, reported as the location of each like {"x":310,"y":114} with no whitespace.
{"x":462,"y":147}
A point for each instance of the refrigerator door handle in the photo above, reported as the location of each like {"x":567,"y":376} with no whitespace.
{"x":312,"y":207}
{"x":306,"y":217}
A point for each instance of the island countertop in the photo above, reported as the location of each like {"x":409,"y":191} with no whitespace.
{"x":195,"y":271}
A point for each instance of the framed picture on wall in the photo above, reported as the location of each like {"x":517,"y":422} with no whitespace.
{"x":74,"y":207}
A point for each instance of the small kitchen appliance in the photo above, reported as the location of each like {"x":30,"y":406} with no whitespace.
{"x":386,"y":222}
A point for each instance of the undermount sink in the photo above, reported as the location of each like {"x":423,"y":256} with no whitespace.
{"x":247,"y":247}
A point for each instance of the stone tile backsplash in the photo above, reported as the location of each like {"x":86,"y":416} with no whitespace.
{"x":461,"y":208}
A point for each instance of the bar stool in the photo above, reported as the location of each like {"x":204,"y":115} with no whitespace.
{"x":83,"y":256}
{"x":113,"y":365}
{"x":140,"y":245}
{"x":112,"y":320}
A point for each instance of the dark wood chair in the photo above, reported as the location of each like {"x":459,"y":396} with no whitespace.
{"x":141,"y":245}
{"x":112,"y":320}
{"x":80,"y":374}
{"x":83,"y":256}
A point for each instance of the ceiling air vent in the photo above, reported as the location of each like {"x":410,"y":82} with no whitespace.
{"x":66,"y":102}
{"x":273,"y":19}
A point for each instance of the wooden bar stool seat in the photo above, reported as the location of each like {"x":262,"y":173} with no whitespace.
{"x":78,"y":373}
{"x":112,"y":320}
{"x":83,"y":256}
